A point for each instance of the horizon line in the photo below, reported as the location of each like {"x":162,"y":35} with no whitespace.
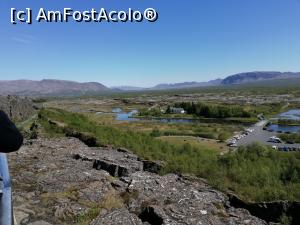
{"x":136,"y":86}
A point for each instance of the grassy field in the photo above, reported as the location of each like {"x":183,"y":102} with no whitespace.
{"x":205,"y":130}
{"x":255,"y":173}
{"x":200,"y":143}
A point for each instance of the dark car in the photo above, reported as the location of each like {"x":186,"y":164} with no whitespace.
{"x":285,"y":149}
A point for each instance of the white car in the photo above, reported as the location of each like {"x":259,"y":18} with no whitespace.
{"x":275,"y":139}
{"x":231,"y":142}
{"x":249,"y":130}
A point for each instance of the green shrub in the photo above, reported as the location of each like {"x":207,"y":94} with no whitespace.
{"x":223,"y":136}
{"x":290,"y":137}
{"x":155,"y":133}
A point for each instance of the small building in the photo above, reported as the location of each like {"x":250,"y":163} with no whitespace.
{"x":177,"y":110}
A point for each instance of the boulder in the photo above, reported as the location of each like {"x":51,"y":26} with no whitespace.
{"x":152,"y":166}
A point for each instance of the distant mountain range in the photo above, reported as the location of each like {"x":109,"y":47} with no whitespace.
{"x":69,"y":88}
{"x":127,"y":88}
{"x":243,"y":78}
{"x":49,"y":88}
{"x":187,"y":85}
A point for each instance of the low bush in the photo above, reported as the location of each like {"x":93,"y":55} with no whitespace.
{"x":290,"y":137}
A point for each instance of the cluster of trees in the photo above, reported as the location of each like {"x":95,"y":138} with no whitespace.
{"x":213,"y":111}
{"x":155,"y":112}
{"x":259,"y":173}
{"x":255,"y":172}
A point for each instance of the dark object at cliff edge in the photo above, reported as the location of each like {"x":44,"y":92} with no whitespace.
{"x":10,"y":137}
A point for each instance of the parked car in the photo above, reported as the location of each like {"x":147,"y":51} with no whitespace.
{"x":237,"y":137}
{"x":249,"y":130}
{"x":245,"y":133}
{"x":231,"y":142}
{"x":233,"y":145}
{"x":285,"y":149}
{"x":274,"y":140}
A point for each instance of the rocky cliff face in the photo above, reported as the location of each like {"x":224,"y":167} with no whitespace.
{"x":17,"y":108}
{"x":62,"y":181}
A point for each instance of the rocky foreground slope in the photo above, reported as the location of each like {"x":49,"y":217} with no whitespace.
{"x":62,"y":181}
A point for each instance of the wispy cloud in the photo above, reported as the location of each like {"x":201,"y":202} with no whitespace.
{"x":21,"y":40}
{"x":24,"y":39}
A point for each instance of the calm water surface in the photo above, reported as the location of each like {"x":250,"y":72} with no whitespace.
{"x":293,"y":114}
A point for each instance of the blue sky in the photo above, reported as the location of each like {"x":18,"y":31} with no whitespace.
{"x":193,"y":40}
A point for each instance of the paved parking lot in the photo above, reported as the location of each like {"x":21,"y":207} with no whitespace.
{"x":262,"y":136}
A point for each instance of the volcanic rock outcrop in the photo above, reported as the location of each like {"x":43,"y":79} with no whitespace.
{"x":63,"y":181}
{"x":17,"y":108}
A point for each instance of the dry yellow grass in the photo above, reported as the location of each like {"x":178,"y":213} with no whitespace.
{"x":112,"y":201}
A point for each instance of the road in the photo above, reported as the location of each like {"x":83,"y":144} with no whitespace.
{"x":262,"y":136}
